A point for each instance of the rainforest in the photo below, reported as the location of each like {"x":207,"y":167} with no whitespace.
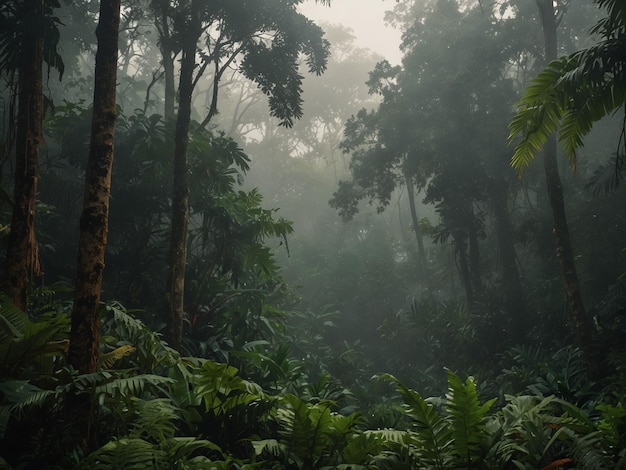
{"x":231,"y":237}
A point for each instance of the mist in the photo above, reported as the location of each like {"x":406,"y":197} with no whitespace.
{"x":348,"y":234}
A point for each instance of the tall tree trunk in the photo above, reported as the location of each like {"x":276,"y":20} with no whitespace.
{"x":416,"y":226}
{"x":167,"y":56}
{"x":474,"y":255}
{"x":180,"y":193}
{"x":85,"y":334}
{"x":464,"y":271}
{"x":22,"y":259}
{"x":511,"y":282}
{"x":582,"y":323}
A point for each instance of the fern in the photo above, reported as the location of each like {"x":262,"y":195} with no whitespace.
{"x":305,"y":429}
{"x":127,"y":453}
{"x":39,"y":343}
{"x":12,"y":320}
{"x":467,"y":418}
{"x":133,"y":385}
{"x":433,"y":431}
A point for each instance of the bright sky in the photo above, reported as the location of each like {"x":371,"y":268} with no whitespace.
{"x":366,"y":18}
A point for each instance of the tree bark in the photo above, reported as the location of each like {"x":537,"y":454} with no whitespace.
{"x":85,"y":335}
{"x":180,"y":193}
{"x":22,"y":259}
{"x":582,"y":323}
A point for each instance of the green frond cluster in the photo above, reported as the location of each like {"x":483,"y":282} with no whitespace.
{"x":569,"y":96}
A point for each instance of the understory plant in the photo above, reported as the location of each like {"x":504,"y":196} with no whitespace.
{"x":158,"y":409}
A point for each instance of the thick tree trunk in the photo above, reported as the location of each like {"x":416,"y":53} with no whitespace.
{"x":85,"y":334}
{"x":180,"y":194}
{"x":22,"y":259}
{"x":582,"y":323}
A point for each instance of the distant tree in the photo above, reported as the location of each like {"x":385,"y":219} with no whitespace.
{"x":437,"y":130}
{"x":268,"y":39}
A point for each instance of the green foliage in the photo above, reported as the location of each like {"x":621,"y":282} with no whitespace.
{"x":572,"y":93}
{"x":26,"y":345}
{"x":312,"y":436}
{"x":455,"y":439}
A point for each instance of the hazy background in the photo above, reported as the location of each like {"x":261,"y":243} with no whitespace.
{"x":366,"y":19}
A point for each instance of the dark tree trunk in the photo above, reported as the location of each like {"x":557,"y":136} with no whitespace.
{"x":464,"y":271}
{"x":22,"y":259}
{"x":180,"y":193}
{"x":416,"y":227}
{"x":474,"y":256}
{"x":511,"y":283}
{"x":85,"y":334}
{"x":582,"y":323}
{"x":167,"y":56}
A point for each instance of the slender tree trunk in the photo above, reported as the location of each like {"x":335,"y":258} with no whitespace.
{"x":511,"y":283}
{"x":416,"y":226}
{"x":22,"y":259}
{"x":180,"y":193}
{"x":474,"y":255}
{"x":167,"y":55}
{"x":464,"y":272}
{"x":583,"y":325}
{"x":85,"y":334}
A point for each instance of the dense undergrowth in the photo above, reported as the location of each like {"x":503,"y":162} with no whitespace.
{"x":281,"y":408}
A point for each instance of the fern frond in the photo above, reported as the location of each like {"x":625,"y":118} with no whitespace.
{"x":467,"y":418}
{"x":304,"y":428}
{"x":131,"y":386}
{"x":128,"y":453}
{"x":180,"y":449}
{"x":12,"y":320}
{"x":432,"y":430}
{"x":155,"y":420}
